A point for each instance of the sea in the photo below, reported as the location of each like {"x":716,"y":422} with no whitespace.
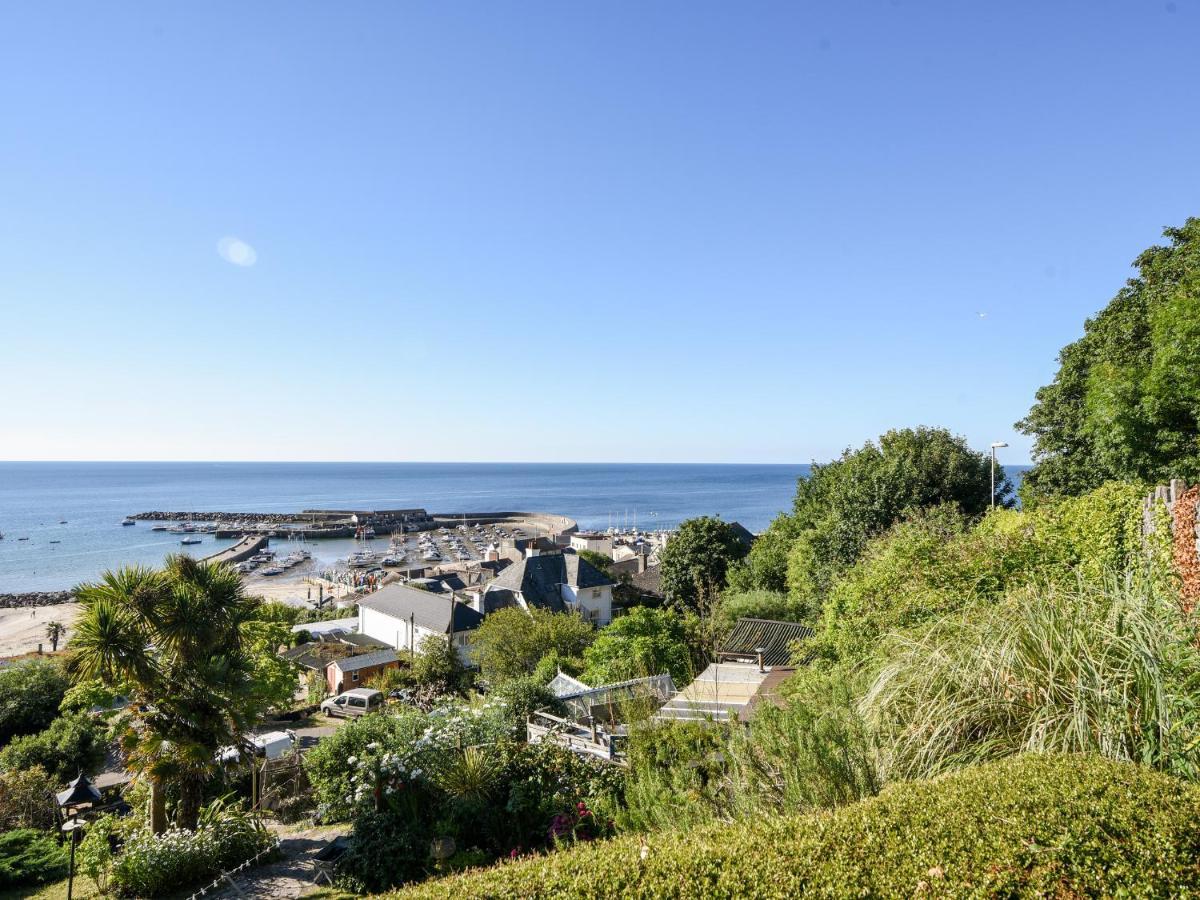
{"x":70,"y":512}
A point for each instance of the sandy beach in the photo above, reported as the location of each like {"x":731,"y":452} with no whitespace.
{"x":22,"y":629}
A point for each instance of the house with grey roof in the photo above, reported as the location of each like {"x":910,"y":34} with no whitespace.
{"x":402,"y":617}
{"x":559,"y":582}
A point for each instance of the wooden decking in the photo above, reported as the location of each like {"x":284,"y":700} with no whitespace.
{"x":579,"y":738}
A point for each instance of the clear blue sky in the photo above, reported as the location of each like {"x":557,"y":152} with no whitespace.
{"x":659,"y":231}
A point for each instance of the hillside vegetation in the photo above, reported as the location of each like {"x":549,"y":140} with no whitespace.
{"x":1046,"y":825}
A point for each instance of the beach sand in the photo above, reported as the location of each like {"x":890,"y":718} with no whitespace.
{"x":21,"y":632}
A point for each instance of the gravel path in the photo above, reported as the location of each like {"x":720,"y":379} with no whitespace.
{"x":290,"y":876}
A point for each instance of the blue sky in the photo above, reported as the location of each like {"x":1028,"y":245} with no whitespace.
{"x":652,"y":231}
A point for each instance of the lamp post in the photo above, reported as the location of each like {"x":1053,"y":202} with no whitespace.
{"x":996,"y":445}
{"x":81,"y":794}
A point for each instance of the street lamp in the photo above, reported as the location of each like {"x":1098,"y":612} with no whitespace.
{"x":996,"y":445}
{"x":80,"y":794}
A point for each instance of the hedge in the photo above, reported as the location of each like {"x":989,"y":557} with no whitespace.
{"x":1029,"y":825}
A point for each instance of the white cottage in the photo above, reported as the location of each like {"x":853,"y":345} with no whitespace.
{"x":560,"y":582}
{"x":402,"y":617}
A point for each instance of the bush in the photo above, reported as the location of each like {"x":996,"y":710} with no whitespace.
{"x":30,"y":693}
{"x":1108,"y":667}
{"x":27,"y":799}
{"x":520,"y":698}
{"x":644,"y":642}
{"x":30,"y":857}
{"x":152,"y":865}
{"x":71,"y":744}
{"x":1030,"y":826}
{"x":511,"y":642}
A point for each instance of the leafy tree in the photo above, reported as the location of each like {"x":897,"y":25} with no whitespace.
{"x":511,"y":641}
{"x":760,"y":604}
{"x":844,"y":504}
{"x":1125,"y":402}
{"x":30,"y":693}
{"x":176,"y":638}
{"x":438,"y":665}
{"x":697,"y":558}
{"x":600,"y":560}
{"x":71,"y":744}
{"x":644,"y":642}
{"x":521,"y":697}
{"x":274,"y":678}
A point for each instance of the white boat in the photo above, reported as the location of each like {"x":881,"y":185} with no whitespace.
{"x":128,"y":522}
{"x":392,"y":561}
{"x":272,"y":570}
{"x":191,"y":540}
{"x":361,"y":559}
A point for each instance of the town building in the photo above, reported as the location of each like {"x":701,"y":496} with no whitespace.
{"x":402,"y":617}
{"x":559,"y":582}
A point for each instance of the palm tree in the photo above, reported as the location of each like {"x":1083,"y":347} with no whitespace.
{"x":54,"y":633}
{"x":175,"y":638}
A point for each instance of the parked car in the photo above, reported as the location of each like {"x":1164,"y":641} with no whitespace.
{"x":271,"y":745}
{"x":355,"y":702}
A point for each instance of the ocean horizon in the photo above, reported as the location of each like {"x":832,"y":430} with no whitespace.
{"x":70,"y":512}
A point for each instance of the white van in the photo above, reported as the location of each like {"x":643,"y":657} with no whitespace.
{"x":355,"y":702}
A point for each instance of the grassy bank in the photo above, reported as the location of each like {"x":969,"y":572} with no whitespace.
{"x":1032,"y":825}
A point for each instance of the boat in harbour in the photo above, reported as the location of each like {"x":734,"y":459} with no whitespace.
{"x":192,"y":540}
{"x":128,"y":521}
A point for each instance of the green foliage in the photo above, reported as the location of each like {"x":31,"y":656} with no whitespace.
{"x":644,"y":642}
{"x":88,"y":694}
{"x":94,"y":856}
{"x":274,"y":678}
{"x":326,"y":766}
{"x":815,"y":752}
{"x":1030,"y":826}
{"x":765,"y":568}
{"x":696,"y":559}
{"x":439,"y":667}
{"x":178,"y":639}
{"x":29,"y":857}
{"x":761,"y":604}
{"x":553,"y":663}
{"x":520,"y":697}
{"x":678,"y":775}
{"x":154,"y":865}
{"x":27,"y":799}
{"x":844,"y":504}
{"x":1108,"y":667}
{"x":386,"y":850}
{"x":511,"y":642}
{"x":601,"y":561}
{"x":30,"y":693}
{"x":73,"y":743}
{"x":1125,"y":402}
{"x":936,"y":563}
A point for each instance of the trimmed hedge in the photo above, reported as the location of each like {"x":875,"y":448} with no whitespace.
{"x":1030,"y":825}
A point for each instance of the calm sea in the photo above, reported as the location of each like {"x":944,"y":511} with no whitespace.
{"x":92,"y":498}
{"x":71,"y":512}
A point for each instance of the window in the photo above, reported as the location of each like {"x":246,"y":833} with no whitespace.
{"x":358,"y":702}
{"x":593,"y":615}
{"x":354,"y":676}
{"x":596,"y":592}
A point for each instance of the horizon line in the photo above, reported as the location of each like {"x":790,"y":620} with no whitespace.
{"x":424,"y":462}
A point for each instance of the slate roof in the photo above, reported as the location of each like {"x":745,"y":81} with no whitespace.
{"x":366,"y":660}
{"x":537,"y":579}
{"x":429,"y":610}
{"x":742,"y":533}
{"x":776,"y":639}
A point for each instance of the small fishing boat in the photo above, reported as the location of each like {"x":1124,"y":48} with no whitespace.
{"x":56,"y":542}
{"x":23,"y":539}
{"x":192,"y":540}
{"x":272,"y":570}
{"x":127,"y":522}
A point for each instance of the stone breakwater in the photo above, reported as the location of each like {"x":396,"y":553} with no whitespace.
{"x":160,"y":516}
{"x":35,"y":598}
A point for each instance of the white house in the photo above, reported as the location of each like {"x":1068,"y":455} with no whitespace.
{"x":560,"y":582}
{"x":402,"y":617}
{"x":592,"y":540}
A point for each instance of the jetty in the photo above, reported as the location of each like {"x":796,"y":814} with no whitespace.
{"x":243,"y":549}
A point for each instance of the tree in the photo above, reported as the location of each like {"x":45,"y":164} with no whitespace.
{"x":511,"y":641}
{"x":644,"y":642}
{"x":696,"y":559}
{"x":1125,"y":402}
{"x":438,"y":666}
{"x":71,"y":744}
{"x":54,"y":633}
{"x":30,"y":694}
{"x":175,"y":638}
{"x":844,"y":504}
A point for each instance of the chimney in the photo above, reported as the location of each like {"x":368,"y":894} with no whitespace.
{"x":641,"y":563}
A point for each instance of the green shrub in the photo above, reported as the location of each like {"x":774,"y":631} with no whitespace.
{"x":30,"y":857}
{"x":152,"y":865}
{"x":519,"y":698}
{"x":678,"y":775}
{"x":27,"y":799}
{"x":644,"y":642}
{"x":1108,"y":667}
{"x":71,"y":744}
{"x":1029,"y":826}
{"x":30,"y":693}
